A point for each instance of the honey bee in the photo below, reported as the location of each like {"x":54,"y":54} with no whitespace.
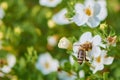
{"x":81,"y":56}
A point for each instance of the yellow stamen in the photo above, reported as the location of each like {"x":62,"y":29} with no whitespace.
{"x":47,"y":65}
{"x":88,"y":11}
{"x":98,"y":59}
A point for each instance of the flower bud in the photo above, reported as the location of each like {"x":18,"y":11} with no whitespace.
{"x":64,"y":43}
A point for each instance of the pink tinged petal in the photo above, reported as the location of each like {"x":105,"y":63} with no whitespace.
{"x":96,"y":40}
{"x":93,"y":22}
{"x":87,"y":36}
{"x":95,"y":51}
{"x":108,"y":60}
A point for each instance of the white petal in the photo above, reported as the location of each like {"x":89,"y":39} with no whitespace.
{"x":80,"y":19}
{"x":79,"y":8}
{"x":87,"y":36}
{"x":6,"y":69}
{"x":103,"y":14}
{"x":60,"y":18}
{"x":108,"y":60}
{"x":97,"y":9}
{"x":96,"y":51}
{"x":93,"y":22}
{"x":102,"y":3}
{"x":11,"y":60}
{"x":54,"y":65}
{"x":96,"y":68}
{"x":96,"y":40}
{"x":81,"y":74}
{"x":49,"y":3}
{"x":76,"y":47}
{"x":2,"y":13}
{"x":89,"y":3}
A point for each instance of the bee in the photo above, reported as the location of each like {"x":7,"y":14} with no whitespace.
{"x":81,"y":56}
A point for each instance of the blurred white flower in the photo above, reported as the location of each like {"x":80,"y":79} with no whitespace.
{"x":81,"y":74}
{"x":60,"y":18}
{"x":9,"y":63}
{"x":46,"y":64}
{"x":52,"y":40}
{"x":88,"y":13}
{"x":99,"y":62}
{"x":49,"y":3}
{"x":90,"y":44}
{"x":64,"y":43}
{"x":62,"y":75}
{"x":2,"y":13}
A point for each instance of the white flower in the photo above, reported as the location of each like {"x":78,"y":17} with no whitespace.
{"x":52,"y":40}
{"x":90,"y":44}
{"x":10,"y":62}
{"x":46,"y":64}
{"x":64,"y":43}
{"x":81,"y":74}
{"x":2,"y":13}
{"x":49,"y":3}
{"x":60,"y":18}
{"x":87,"y":13}
{"x":62,"y":75}
{"x":103,"y":11}
{"x":99,"y":62}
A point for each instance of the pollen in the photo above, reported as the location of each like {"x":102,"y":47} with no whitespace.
{"x":47,"y":65}
{"x":88,"y":11}
{"x":98,"y":59}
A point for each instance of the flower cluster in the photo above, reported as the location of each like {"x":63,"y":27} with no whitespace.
{"x":46,"y":64}
{"x":91,"y":13}
{"x":94,"y":54}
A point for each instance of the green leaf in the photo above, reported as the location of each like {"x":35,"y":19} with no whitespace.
{"x":105,"y":75}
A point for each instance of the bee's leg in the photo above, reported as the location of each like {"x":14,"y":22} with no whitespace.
{"x":86,"y":58}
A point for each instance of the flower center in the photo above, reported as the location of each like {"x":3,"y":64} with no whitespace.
{"x":3,"y":62}
{"x":88,"y":11}
{"x":111,"y":40}
{"x":87,"y":46}
{"x":70,"y":74}
{"x":98,"y":59}
{"x":47,"y":65}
